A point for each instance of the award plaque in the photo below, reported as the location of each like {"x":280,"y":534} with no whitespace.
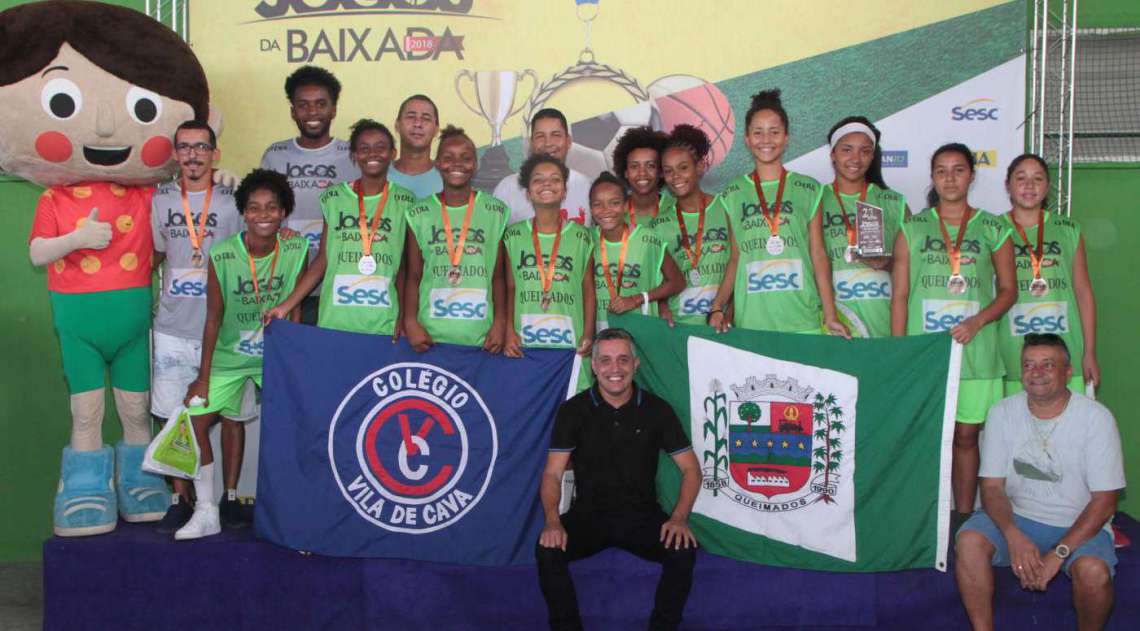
{"x":869,"y":238}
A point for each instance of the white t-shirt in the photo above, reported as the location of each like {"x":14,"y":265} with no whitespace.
{"x":576,"y":206}
{"x":1052,"y":467}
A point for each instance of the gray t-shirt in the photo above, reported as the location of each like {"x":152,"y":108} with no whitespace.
{"x":575,"y":207}
{"x":182,"y":302}
{"x":311,"y":172}
{"x":1052,"y":467}
{"x":421,"y":185}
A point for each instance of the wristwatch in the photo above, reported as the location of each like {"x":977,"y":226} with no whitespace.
{"x":1062,"y":551}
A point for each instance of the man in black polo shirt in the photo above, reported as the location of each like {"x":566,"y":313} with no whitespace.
{"x":614,"y":431}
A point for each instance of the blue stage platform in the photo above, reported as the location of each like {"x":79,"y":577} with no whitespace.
{"x":136,"y":579}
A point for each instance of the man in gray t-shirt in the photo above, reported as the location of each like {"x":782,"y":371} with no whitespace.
{"x":1050,"y":474}
{"x":313,"y":160}
{"x":184,"y":229}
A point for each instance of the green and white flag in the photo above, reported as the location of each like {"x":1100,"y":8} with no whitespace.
{"x":817,"y":452}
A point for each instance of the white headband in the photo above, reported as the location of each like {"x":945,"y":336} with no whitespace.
{"x":851,"y":128}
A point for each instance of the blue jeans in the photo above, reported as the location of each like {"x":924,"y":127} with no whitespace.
{"x":1045,"y":537}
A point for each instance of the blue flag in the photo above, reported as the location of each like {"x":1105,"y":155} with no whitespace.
{"x":370,"y":449}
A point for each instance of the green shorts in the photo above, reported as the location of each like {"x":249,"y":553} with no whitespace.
{"x":975,"y":397}
{"x":104,"y":329}
{"x":1076,"y":384}
{"x":225,"y":395}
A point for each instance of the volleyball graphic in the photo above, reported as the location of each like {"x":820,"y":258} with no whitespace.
{"x":680,"y":98}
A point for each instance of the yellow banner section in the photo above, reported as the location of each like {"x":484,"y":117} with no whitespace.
{"x":585,"y":59}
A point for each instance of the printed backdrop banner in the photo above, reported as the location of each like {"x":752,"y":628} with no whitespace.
{"x":817,"y":452}
{"x":369,"y":449}
{"x":926,"y":72}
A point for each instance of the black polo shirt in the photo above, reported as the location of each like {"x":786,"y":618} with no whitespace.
{"x":616,"y":449}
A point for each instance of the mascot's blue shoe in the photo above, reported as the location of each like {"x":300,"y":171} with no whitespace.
{"x":143,"y":496}
{"x":85,"y":501}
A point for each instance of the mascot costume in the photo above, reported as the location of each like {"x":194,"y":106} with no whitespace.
{"x":92,"y":95}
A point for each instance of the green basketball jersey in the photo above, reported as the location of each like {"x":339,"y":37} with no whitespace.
{"x":560,"y":326}
{"x":642,"y":270}
{"x":1056,"y":311}
{"x":862,"y":294}
{"x":692,"y":305}
{"x":350,"y":300}
{"x":774,"y":292}
{"x":462,"y":313}
{"x":241,"y":336}
{"x":931,"y":307}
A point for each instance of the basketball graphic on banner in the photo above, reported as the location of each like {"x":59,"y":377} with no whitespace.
{"x":679,"y":99}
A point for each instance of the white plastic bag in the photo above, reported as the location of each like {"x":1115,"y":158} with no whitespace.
{"x":174,"y":451}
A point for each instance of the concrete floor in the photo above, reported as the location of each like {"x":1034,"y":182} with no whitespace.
{"x":21,"y":597}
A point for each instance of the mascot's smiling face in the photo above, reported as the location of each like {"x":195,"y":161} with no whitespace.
{"x":93,"y":93}
{"x":75,"y":121}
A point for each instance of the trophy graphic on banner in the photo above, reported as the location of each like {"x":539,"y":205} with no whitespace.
{"x":495,"y":92}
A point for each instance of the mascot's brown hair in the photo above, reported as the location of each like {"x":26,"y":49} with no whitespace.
{"x":92,"y":96}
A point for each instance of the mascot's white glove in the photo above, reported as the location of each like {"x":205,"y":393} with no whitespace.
{"x":91,"y":234}
{"x":225,"y":177}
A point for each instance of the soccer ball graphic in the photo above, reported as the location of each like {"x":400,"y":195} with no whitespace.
{"x":595,"y":138}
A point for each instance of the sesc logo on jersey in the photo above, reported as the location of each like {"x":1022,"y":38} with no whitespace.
{"x":459,"y":303}
{"x":251,"y":343}
{"x":547,"y":330}
{"x":186,"y":283}
{"x":697,"y":300}
{"x":775,"y":275}
{"x":353,"y":290}
{"x":942,"y":315}
{"x":311,"y":229}
{"x":1039,"y":317}
{"x":861,"y":284}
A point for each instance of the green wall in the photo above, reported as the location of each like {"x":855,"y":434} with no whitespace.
{"x":1106,"y":200}
{"x":35,"y":424}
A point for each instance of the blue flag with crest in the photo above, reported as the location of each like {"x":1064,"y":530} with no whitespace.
{"x":369,"y":449}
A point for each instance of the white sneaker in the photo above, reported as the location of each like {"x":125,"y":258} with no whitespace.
{"x":203,"y":523}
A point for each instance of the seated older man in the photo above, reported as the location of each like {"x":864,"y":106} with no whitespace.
{"x":1051,"y":470}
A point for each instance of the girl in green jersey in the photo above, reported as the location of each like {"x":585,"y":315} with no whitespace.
{"x":248,"y":272}
{"x":947,"y":259}
{"x":692,"y":225}
{"x":550,"y":283}
{"x":862,"y":284}
{"x":1054,"y":294}
{"x":637,"y":160}
{"x":360,"y":259}
{"x":631,"y":269}
{"x":455,"y":291}
{"x":778,"y":276}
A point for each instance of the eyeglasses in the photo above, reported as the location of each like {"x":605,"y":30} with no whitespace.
{"x":198,"y":147}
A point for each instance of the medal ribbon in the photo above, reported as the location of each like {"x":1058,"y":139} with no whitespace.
{"x":621,"y":263}
{"x":843,"y":211}
{"x":368,"y":233}
{"x":633,"y":214}
{"x":694,"y":258}
{"x":955,"y":249}
{"x":253,"y":270}
{"x":772,"y":216}
{"x":196,"y":237}
{"x":455,"y":252}
{"x":547,"y":278}
{"x":1035,"y":255}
